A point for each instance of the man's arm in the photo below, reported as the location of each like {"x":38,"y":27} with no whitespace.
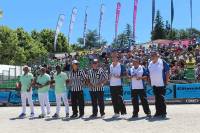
{"x":32,"y":84}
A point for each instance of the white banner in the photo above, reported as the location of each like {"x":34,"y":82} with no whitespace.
{"x":58,"y":28}
{"x":72,"y":21}
{"x":100,"y":20}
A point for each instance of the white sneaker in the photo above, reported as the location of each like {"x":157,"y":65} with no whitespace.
{"x":116,"y":116}
{"x":48,"y":114}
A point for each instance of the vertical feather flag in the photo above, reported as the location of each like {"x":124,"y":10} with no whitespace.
{"x":118,"y":8}
{"x":134,"y":17}
{"x":72,"y":21}
{"x":58,"y":28}
{"x":172,"y":13}
{"x":85,"y":27}
{"x":191,"y":14}
{"x":100,"y":20}
{"x":153,"y":13}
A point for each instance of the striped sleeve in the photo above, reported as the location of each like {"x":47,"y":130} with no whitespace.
{"x":84,"y":75}
{"x":104,"y":74}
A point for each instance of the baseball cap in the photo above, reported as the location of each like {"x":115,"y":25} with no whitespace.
{"x":75,"y":62}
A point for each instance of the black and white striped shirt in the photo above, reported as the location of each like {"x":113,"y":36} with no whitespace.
{"x":78,"y":79}
{"x":95,"y":77}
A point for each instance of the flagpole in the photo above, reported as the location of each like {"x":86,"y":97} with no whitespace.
{"x":85,"y":27}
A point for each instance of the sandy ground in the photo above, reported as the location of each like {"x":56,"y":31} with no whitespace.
{"x":180,"y":119}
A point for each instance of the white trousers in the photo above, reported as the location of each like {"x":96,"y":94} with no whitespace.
{"x":44,"y":101}
{"x":24,"y":97}
{"x":59,"y":98}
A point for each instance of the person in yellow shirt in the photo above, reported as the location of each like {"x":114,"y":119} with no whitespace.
{"x":43,"y":85}
{"x":25,"y":84}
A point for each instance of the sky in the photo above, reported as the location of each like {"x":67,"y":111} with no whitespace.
{"x":40,"y":14}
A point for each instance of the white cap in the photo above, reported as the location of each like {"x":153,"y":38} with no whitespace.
{"x":75,"y":62}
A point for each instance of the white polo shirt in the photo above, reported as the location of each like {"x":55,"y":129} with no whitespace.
{"x":156,"y":73}
{"x":115,"y":71}
{"x":138,"y":72}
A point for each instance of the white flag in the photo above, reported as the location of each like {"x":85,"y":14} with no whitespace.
{"x":72,"y":21}
{"x":58,"y":28}
{"x":100,"y":19}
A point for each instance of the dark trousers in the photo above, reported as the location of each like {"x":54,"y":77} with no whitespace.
{"x":117,"y":99}
{"x":77,"y":99}
{"x":97,"y":98}
{"x":135,"y":101}
{"x":160,"y":104}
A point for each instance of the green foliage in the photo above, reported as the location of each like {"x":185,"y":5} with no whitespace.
{"x":159,"y":31}
{"x":165,"y":32}
{"x":10,"y":52}
{"x":92,"y":40}
{"x":124,"y":39}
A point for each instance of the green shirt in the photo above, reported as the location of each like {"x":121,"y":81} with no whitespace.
{"x":26,"y":81}
{"x":43,"y":79}
{"x":60,"y":82}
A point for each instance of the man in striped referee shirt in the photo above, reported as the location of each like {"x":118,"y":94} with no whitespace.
{"x":97,"y":77}
{"x":77,"y":81}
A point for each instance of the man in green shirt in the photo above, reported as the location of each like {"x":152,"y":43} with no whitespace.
{"x":25,"y":84}
{"x":42,"y":83}
{"x":60,"y":79}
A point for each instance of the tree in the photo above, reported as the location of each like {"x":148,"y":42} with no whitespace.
{"x":11,"y":53}
{"x":92,"y":40}
{"x":33,"y":49}
{"x":124,"y":39}
{"x":159,"y":29}
{"x":46,"y":37}
{"x":128,"y":31}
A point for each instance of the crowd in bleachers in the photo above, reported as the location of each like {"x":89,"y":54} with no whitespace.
{"x":184,"y":61}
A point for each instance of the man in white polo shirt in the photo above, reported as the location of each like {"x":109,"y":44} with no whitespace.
{"x":25,"y":84}
{"x":138,"y":74}
{"x":158,"y":71}
{"x":116,"y":72}
{"x":43,"y":85}
{"x":60,"y":79}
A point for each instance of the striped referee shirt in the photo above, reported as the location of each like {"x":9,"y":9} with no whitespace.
{"x":95,"y":77}
{"x":78,"y":79}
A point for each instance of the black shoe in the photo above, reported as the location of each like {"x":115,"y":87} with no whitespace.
{"x":73,"y":116}
{"x":41,"y":116}
{"x":163,"y":116}
{"x":135,"y":116}
{"x":102,"y":115}
{"x":149,"y":115}
{"x":81,"y":116}
{"x":124,"y":113}
{"x":55,"y":116}
{"x":157,"y":115}
{"x":67,"y":115}
{"x":93,"y":116}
